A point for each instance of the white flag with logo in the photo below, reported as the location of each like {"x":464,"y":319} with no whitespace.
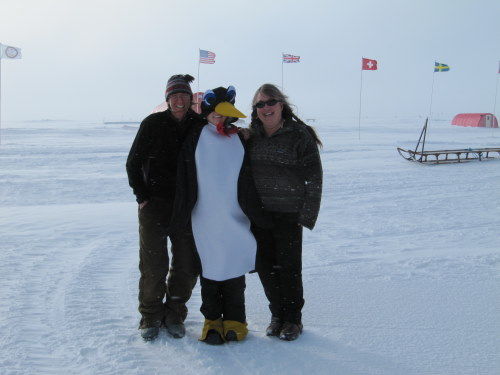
{"x":9,"y":52}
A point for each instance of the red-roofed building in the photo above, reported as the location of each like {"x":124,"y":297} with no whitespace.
{"x":478,"y":120}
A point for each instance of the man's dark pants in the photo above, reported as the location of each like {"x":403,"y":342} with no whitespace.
{"x":154,"y":219}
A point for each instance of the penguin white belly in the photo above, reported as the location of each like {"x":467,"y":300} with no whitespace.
{"x":225,"y":244}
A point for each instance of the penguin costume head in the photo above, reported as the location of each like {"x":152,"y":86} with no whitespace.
{"x":218,"y":108}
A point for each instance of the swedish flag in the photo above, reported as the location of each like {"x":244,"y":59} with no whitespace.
{"x":438,"y":67}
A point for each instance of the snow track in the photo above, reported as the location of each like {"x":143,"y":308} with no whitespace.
{"x":400,"y":275}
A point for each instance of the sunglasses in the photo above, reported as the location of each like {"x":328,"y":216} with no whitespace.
{"x":269,"y":103}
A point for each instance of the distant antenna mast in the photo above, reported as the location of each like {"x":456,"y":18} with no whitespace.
{"x":495,"y":102}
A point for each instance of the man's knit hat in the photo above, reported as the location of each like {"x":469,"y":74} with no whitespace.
{"x":179,"y":83}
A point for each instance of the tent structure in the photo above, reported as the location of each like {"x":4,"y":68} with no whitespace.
{"x":160,"y":107}
{"x":478,"y":120}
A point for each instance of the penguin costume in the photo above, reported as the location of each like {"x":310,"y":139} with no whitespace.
{"x":217,"y":196}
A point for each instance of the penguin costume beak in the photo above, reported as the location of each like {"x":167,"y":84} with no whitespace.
{"x":229,"y":110}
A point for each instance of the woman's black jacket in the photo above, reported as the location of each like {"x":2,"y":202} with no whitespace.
{"x":287,"y":170}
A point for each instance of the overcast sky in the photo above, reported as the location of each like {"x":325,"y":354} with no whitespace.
{"x":95,"y":60}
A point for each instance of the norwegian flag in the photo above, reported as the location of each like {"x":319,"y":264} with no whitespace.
{"x":287,"y":58}
{"x":368,"y":64}
{"x":207,"y":57}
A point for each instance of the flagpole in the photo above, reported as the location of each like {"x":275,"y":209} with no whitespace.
{"x":282,"y":64}
{"x":432,"y":94}
{"x":198,"y":77}
{"x":359,"y":114}
{"x":1,"y":50}
{"x":495,"y":102}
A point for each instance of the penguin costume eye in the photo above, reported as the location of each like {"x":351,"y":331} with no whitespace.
{"x":231,"y":94}
{"x":209,"y":98}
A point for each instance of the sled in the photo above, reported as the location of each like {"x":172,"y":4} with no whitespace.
{"x":447,"y":156}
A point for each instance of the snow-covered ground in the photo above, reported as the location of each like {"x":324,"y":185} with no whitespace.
{"x":401,"y":272}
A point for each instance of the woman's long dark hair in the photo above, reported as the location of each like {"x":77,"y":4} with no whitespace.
{"x":273,"y":92}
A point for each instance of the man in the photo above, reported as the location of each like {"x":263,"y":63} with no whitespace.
{"x":152,"y":169}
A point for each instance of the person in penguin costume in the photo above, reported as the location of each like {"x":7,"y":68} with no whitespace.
{"x":216,"y":195}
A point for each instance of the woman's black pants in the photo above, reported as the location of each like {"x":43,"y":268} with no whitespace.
{"x":279,"y":264}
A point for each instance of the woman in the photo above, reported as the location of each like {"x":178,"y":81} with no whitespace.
{"x":288,"y":176}
{"x":216,"y":194}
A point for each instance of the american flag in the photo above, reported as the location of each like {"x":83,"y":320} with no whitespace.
{"x":207,"y":57}
{"x":290,"y":58}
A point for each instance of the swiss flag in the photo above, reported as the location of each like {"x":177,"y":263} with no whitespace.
{"x":368,"y":64}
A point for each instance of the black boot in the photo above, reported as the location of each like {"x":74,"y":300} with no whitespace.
{"x":231,"y":336}
{"x":150,"y":330}
{"x":176,"y":330}
{"x":290,"y":331}
{"x":274,"y":327}
{"x":175,"y":314}
{"x":214,"y":338}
